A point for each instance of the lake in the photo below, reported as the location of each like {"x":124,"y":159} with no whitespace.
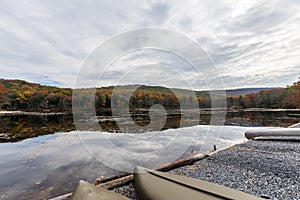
{"x":51,"y":164}
{"x":16,"y":127}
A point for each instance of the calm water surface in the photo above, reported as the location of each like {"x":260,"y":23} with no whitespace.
{"x":51,"y":165}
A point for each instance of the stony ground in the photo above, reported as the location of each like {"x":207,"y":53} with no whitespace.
{"x":268,"y":168}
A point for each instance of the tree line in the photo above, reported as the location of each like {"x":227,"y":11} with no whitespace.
{"x":21,"y":95}
{"x":285,"y":98}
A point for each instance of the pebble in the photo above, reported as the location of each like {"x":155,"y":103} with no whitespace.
{"x":266,"y":168}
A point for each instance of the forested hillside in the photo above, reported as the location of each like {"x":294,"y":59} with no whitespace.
{"x":288,"y":98}
{"x":21,"y":95}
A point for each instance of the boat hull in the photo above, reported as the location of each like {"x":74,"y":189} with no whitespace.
{"x":274,"y":132}
{"x":154,"y":185}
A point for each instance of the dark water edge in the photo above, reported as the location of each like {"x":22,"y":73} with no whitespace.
{"x":14,"y":128}
{"x":18,"y":126}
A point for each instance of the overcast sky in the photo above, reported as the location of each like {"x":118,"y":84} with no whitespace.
{"x":251,"y":43}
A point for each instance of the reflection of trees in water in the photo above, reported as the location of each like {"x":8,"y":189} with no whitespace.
{"x":16,"y":128}
{"x":19,"y":127}
{"x":262,"y":118}
{"x":141,"y":119}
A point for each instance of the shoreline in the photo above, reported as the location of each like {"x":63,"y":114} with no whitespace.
{"x":229,"y":132}
{"x":262,"y":167}
{"x":202,"y":111}
{"x":266,"y":168}
{"x":16,"y":113}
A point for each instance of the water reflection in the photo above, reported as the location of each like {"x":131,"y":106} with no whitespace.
{"x":18,"y":127}
{"x":52,"y":165}
{"x":261,"y":118}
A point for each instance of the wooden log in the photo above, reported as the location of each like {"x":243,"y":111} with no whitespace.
{"x":164,"y":168}
{"x":117,"y":182}
{"x":63,"y":197}
{"x":179,"y":163}
{"x":104,"y":180}
{"x":121,"y":180}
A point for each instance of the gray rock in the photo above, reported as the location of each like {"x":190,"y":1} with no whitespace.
{"x":265,"y":168}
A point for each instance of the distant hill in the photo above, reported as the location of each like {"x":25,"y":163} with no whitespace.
{"x":22,"y":95}
{"x":244,"y":91}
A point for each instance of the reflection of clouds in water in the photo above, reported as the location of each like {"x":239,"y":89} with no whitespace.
{"x":125,"y":151}
{"x":64,"y":151}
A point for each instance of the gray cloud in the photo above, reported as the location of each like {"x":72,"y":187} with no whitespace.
{"x":158,"y":12}
{"x":253,"y":43}
{"x":260,"y":18}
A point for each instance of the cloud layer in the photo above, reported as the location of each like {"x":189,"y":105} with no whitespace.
{"x":252,"y":43}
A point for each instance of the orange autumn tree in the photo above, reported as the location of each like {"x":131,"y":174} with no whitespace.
{"x":292,"y":94}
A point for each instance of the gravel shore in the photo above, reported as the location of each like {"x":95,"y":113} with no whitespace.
{"x":268,"y":168}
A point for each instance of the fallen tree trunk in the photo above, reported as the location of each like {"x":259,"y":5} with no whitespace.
{"x":111,"y":184}
{"x":104,"y":180}
{"x":117,"y":182}
{"x":121,"y":180}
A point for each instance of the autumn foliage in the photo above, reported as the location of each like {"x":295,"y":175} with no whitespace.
{"x":21,"y":95}
{"x":287,"y":98}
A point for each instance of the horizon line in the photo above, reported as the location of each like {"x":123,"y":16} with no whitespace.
{"x":89,"y":87}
